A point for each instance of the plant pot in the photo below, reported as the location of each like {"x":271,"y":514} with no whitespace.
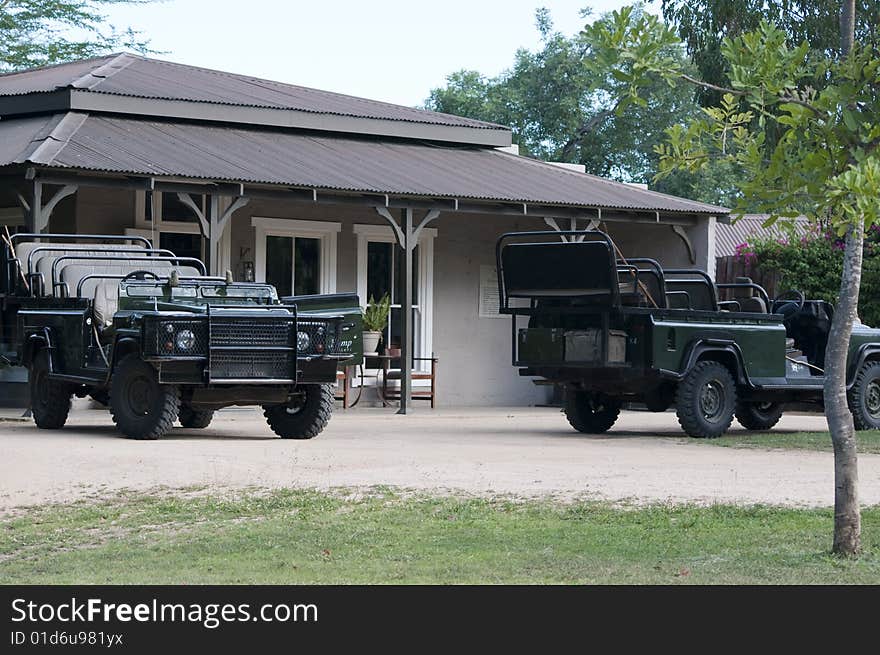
{"x":371,"y":342}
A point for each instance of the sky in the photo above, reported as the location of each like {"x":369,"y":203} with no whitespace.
{"x":391,"y":50}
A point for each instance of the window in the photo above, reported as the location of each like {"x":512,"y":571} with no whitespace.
{"x":385,"y":275}
{"x":297,"y":257}
{"x":380,"y":272}
{"x":170,"y":224}
{"x":293,"y":264}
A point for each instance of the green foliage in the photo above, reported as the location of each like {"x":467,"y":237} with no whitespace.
{"x":814,"y":264}
{"x":704,"y":24}
{"x":564,"y":104}
{"x":293,"y":536}
{"x":376,"y":314}
{"x":41,"y":32}
{"x":869,"y":441}
{"x":823,"y":162}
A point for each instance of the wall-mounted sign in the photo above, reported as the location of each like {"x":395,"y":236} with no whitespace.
{"x":489,"y":299}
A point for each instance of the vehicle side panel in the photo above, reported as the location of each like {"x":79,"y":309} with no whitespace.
{"x":762,"y":344}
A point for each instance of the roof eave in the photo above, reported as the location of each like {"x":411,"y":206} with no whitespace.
{"x":322,"y":195}
{"x":103,"y":103}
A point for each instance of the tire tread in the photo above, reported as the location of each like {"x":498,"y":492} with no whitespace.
{"x":308,"y":424}
{"x":686,"y":407}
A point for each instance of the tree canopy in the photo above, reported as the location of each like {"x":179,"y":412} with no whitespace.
{"x":562,"y":109}
{"x":704,"y":24}
{"x":40,"y":32}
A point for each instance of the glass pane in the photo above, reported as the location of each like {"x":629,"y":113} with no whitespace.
{"x":307,"y":266}
{"x":174,"y":210}
{"x":183,"y":245}
{"x":279,"y":264}
{"x":378,"y":270}
{"x":399,"y":279}
{"x":393,"y":336}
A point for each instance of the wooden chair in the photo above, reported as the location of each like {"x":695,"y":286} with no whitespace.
{"x":343,"y":384}
{"x":418,"y":393}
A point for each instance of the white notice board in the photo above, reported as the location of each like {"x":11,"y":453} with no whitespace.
{"x":489,"y":300}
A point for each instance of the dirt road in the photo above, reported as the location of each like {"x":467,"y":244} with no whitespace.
{"x":526,"y":452}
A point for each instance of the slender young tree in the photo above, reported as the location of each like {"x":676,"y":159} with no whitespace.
{"x":822,"y":162}
{"x":847,"y":517}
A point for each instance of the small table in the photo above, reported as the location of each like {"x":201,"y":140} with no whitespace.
{"x":387,"y":394}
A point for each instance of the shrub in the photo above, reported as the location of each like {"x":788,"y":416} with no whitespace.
{"x":813,"y":263}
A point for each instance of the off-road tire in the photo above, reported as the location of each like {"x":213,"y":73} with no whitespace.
{"x":50,"y":400}
{"x":140,"y":406}
{"x":195,"y":419}
{"x":590,"y":413}
{"x":758,"y":416}
{"x":705,"y":400}
{"x":302,"y":418}
{"x":864,"y":397}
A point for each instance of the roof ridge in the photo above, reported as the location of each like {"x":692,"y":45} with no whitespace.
{"x":102,"y":72}
{"x":276,"y":84}
{"x":615,"y":183}
{"x":59,"y":65}
{"x":58,"y":137}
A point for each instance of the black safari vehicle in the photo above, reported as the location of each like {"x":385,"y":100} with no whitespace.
{"x":154,"y":338}
{"x":612,"y":331}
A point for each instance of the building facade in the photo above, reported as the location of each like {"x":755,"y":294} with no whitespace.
{"x":316,"y":193}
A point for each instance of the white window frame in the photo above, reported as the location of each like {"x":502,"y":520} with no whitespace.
{"x":326,"y":232}
{"x":157,"y":226}
{"x":366,"y":233}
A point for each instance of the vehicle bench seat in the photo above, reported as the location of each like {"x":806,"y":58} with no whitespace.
{"x":104,"y":292}
{"x":43,"y":260}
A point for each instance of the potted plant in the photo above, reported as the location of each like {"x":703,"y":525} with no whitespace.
{"x":375,"y":320}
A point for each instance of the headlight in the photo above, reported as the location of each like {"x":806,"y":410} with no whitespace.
{"x":185,"y":340}
{"x":302,"y":341}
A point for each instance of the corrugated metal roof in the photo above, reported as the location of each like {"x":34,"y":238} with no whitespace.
{"x":142,"y":77}
{"x":750,"y":226}
{"x":49,"y":78}
{"x":261,"y":156}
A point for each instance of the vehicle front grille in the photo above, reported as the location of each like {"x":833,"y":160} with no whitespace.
{"x":251,"y":332}
{"x":231,"y":364}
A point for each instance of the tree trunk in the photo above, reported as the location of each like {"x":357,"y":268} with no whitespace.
{"x":847,"y":519}
{"x":847,"y":26}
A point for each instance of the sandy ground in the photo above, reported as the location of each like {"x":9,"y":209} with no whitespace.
{"x":526,"y":452}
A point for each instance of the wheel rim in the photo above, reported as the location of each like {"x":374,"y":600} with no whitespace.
{"x":296,"y":404}
{"x":597,"y":405}
{"x":140,"y":396}
{"x":712,"y":400}
{"x":872,"y":399}
{"x":763,"y":408}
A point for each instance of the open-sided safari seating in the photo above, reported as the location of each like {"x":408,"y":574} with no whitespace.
{"x":612,"y":330}
{"x":155,"y":338}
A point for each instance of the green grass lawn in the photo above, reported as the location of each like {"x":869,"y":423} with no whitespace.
{"x":868,"y":441}
{"x":311,"y":537}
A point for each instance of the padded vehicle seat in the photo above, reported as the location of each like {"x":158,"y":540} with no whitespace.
{"x":43,"y":260}
{"x":745,"y":296}
{"x":699,"y":293}
{"x":104,"y":292}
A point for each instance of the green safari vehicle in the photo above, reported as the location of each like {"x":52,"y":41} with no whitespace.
{"x":613,"y":331}
{"x":154,"y":338}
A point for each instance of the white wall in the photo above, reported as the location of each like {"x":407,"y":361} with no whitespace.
{"x":474,"y":353}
